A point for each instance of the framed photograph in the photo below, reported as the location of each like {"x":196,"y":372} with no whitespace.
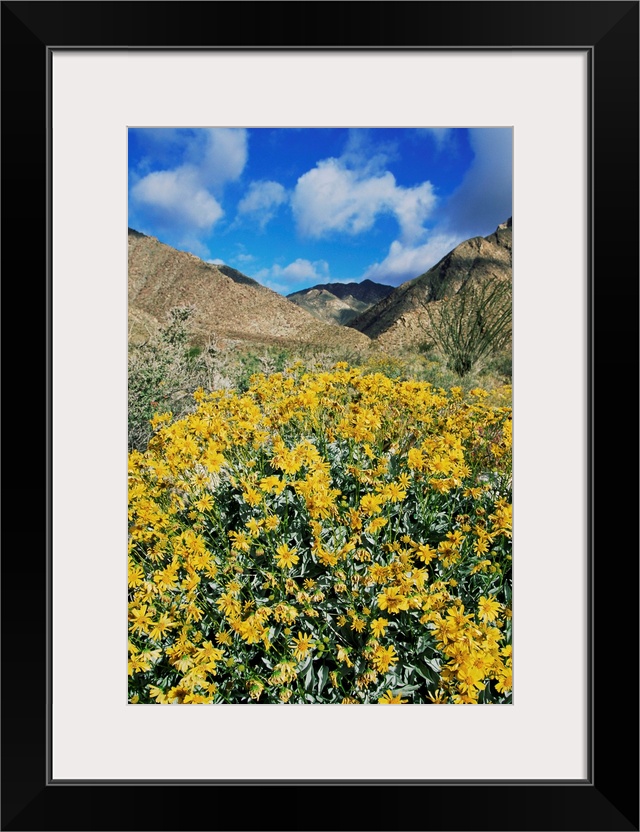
{"x":105,"y":101}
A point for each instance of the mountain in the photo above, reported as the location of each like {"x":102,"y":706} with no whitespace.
{"x":228,"y":304}
{"x":237,"y":276}
{"x":366,"y":291}
{"x":340,"y":302}
{"x":399,"y":320}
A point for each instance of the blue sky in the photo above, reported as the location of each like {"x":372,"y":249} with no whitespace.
{"x":295,"y":207}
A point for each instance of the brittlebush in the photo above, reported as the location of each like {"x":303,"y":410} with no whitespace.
{"x":332,"y":537}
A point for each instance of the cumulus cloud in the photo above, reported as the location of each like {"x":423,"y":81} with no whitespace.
{"x":481,"y":202}
{"x":220,"y":154}
{"x":184,"y":200}
{"x":412,"y":206}
{"x":335,"y":198}
{"x":404,"y":262}
{"x":261,"y":201}
{"x":297,"y":271}
{"x":176,"y":199}
{"x":285,"y":279}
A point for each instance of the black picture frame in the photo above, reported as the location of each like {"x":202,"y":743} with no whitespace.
{"x":608,"y":798}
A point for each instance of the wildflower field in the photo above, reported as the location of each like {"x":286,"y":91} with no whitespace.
{"x":323,"y":537}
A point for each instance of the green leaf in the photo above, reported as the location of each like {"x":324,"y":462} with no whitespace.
{"x":305,"y":665}
{"x":308,"y":679}
{"x":323,"y":675}
{"x":425,"y":672}
{"x":407,"y":689}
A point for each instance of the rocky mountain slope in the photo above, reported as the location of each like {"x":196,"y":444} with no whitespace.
{"x":340,"y":302}
{"x":228,"y":304}
{"x":399,"y":320}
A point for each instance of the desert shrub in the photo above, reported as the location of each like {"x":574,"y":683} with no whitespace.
{"x":433,"y":368}
{"x":165,"y":370}
{"x":264,"y":360}
{"x":328,"y":537}
{"x":501,"y":365}
{"x":473,"y":324}
{"x":316,"y":358}
{"x":392,"y":366}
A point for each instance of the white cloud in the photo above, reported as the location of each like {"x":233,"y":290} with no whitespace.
{"x":404,"y":262}
{"x":412,"y":206}
{"x":175,"y":198}
{"x":332,"y":197}
{"x":476,"y":208}
{"x":220,"y":154}
{"x":298,"y":271}
{"x":305,"y":270}
{"x":297,"y":275}
{"x":216,"y":262}
{"x":261,"y":201}
{"x":183,"y":200}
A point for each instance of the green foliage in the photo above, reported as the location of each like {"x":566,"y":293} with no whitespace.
{"x":193,"y":353}
{"x":267,"y":360}
{"x":434,"y":369}
{"x":164,"y":372}
{"x":501,"y":365}
{"x":337,"y":537}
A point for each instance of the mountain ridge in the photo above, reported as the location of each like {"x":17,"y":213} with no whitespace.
{"x":227,"y":304}
{"x":340,"y":302}
{"x":399,"y":320}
